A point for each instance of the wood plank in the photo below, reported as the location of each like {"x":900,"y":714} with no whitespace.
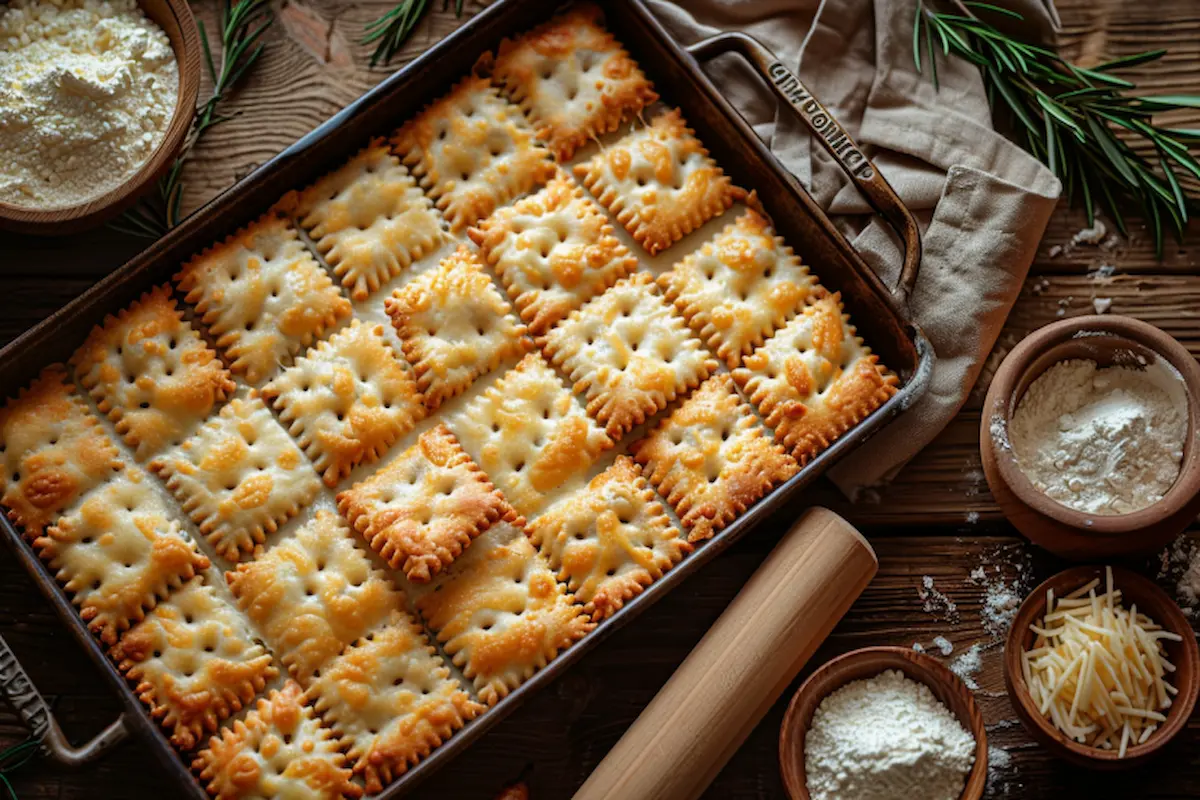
{"x":293,"y":90}
{"x":26,"y":301}
{"x":312,"y":66}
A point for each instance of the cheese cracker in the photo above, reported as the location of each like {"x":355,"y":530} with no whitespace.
{"x":712,"y":459}
{"x":659,"y":182}
{"x":815,"y":379}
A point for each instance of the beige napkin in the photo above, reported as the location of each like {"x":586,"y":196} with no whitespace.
{"x":983,"y":203}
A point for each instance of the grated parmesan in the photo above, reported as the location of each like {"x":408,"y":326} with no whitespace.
{"x":87,"y":90}
{"x":1097,"y":671}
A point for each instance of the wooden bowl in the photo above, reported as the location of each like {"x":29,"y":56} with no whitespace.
{"x":176,"y":20}
{"x":1154,"y":603}
{"x":867,"y":663}
{"x":1062,"y":530}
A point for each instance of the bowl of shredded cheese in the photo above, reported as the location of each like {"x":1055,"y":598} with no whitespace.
{"x":97,"y":100}
{"x":1101,"y":667}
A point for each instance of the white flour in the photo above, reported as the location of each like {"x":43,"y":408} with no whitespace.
{"x":87,"y":88}
{"x":886,"y":738}
{"x":1103,"y":441}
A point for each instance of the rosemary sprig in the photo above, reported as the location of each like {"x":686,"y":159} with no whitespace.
{"x":1069,"y":117}
{"x":393,"y":28}
{"x":242,"y":25}
{"x":13,"y":758}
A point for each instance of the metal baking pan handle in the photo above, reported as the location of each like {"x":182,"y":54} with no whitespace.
{"x":832,"y":137}
{"x":31,"y":707}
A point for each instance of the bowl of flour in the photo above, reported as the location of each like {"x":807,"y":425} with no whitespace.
{"x":1088,"y":437}
{"x":883,"y":723}
{"x":97,"y":101}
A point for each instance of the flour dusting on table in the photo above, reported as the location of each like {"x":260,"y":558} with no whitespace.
{"x":935,"y":602}
{"x":967,"y":666}
{"x":1181,"y":566}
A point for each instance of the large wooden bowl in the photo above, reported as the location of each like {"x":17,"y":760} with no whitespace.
{"x":867,"y":663}
{"x":1151,"y":601}
{"x":176,"y":20}
{"x":1060,"y":529}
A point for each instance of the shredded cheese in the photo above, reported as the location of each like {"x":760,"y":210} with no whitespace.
{"x":1098,"y":671}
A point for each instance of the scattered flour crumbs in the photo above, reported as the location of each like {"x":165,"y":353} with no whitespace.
{"x":944,"y":645}
{"x":934,"y":602}
{"x":1001,"y":597}
{"x":999,"y":760}
{"x":1003,"y":575}
{"x":886,"y":738}
{"x":967,"y":666}
{"x":1181,"y":563}
{"x":87,"y":90}
{"x":1096,"y":235}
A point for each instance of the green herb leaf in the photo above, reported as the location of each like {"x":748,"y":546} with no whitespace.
{"x":1070,"y":116}
{"x":933,"y":59}
{"x":392,"y":29}
{"x":1083,"y":94}
{"x":1176,"y":190}
{"x":1170,"y":102}
{"x":1014,"y":102}
{"x":1108,"y":143}
{"x":1051,"y":146}
{"x":1008,"y":12}
{"x":917,"y":37}
{"x":243,"y":24}
{"x":1156,"y":228}
{"x":1183,"y":133}
{"x":1131,"y":61}
{"x":1100,"y":77}
{"x":1114,"y":209}
{"x":1059,"y":113}
{"x":15,"y":757}
{"x":1088,"y":206}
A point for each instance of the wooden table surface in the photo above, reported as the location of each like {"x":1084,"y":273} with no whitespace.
{"x":936,"y":520}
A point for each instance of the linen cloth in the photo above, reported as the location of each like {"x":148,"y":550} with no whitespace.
{"x":983,"y":203}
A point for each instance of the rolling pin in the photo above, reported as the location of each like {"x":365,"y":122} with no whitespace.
{"x":706,"y":710}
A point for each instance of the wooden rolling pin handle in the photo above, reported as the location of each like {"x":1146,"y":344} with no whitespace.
{"x":706,"y":710}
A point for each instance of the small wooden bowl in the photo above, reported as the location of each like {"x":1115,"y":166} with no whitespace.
{"x":1151,"y":601}
{"x":176,"y":20}
{"x":1062,"y":530}
{"x":867,"y":663}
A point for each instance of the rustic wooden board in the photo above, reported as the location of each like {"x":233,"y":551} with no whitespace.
{"x":937,"y":519}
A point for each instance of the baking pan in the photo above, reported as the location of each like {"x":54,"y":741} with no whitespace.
{"x":879,"y":311}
